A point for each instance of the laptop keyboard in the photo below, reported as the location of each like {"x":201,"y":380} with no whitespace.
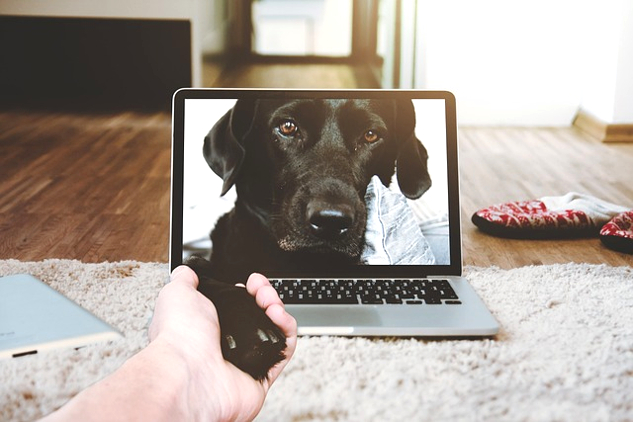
{"x":366,"y":292}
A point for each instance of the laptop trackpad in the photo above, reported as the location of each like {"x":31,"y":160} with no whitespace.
{"x":334,"y":316}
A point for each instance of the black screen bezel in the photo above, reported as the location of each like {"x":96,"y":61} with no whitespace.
{"x":361,"y":271}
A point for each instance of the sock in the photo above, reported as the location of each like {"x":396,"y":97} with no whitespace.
{"x":617,"y":234}
{"x":598,"y":211}
{"x":550,"y":217}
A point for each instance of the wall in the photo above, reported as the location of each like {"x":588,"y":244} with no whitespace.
{"x":623,"y":109}
{"x":599,"y":92}
{"x":213,"y":23}
{"x":208,"y":18}
{"x":93,"y":62}
{"x":526,"y":62}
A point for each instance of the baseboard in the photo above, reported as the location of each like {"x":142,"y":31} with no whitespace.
{"x":604,"y":132}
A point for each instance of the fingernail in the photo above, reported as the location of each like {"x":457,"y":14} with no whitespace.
{"x":260,"y":275}
{"x":178,"y":270}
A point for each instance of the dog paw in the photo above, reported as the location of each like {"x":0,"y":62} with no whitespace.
{"x":249,"y":339}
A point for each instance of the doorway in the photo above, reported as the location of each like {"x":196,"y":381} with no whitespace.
{"x":343,"y":31}
{"x":320,"y":28}
{"x":321,"y":36}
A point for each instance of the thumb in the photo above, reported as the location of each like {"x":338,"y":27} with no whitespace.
{"x":185,"y":275}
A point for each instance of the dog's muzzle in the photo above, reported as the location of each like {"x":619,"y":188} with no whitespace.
{"x":329,"y":221}
{"x":324,"y":216}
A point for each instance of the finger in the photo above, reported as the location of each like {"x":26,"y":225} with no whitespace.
{"x":260,"y":287}
{"x":282,"y":319}
{"x":267,"y":296}
{"x":184,"y":274}
{"x":288,"y":325}
{"x":255,"y":282}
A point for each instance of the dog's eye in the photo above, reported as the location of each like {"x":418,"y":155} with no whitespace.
{"x":371,"y":136}
{"x":288,"y":128}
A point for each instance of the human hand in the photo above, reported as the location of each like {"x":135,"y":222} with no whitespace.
{"x":186,"y":323}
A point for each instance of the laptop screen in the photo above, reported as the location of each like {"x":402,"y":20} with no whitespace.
{"x":316,"y":183}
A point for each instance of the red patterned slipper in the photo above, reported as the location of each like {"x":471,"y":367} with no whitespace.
{"x":617,"y":234}
{"x":553,"y":217}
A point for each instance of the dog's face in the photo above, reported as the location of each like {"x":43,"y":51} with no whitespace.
{"x":303,"y":166}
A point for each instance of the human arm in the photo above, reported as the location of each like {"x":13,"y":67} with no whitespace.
{"x":181,"y":374}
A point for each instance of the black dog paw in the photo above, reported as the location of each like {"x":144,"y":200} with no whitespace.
{"x":249,"y":338}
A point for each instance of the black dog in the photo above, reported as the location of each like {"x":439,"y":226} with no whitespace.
{"x":301,"y":170}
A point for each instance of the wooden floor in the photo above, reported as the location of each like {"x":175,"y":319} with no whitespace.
{"x":505,"y":164}
{"x":95,"y":186}
{"x":290,"y":76}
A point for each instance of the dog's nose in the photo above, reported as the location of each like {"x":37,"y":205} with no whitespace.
{"x":329,"y":222}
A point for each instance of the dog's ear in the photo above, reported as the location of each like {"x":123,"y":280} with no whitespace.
{"x":411,"y":169}
{"x":224,"y":145}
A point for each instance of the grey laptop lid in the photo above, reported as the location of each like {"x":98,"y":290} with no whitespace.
{"x":280,"y":149}
{"x":35,"y":318}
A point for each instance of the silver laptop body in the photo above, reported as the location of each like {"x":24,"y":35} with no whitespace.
{"x":414,"y":241}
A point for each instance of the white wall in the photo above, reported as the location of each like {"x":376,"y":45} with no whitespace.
{"x":213,"y":24}
{"x":623,"y":96}
{"x":386,"y":41}
{"x":599,"y":92}
{"x":526,"y":62}
{"x":609,"y":89}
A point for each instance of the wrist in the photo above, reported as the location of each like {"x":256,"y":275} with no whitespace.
{"x":151,"y":385}
{"x":165,"y":380}
{"x":187,"y":377}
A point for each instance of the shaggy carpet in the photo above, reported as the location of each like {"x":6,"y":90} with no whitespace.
{"x":565,"y":352}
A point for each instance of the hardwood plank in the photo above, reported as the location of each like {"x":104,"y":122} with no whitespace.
{"x":88,"y":186}
{"x":94,"y":186}
{"x":292,"y":76}
{"x":507,"y":164}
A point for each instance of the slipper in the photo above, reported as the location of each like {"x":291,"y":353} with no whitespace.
{"x":551,"y":217}
{"x":617,"y":234}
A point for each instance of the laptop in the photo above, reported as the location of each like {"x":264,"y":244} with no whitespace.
{"x":35,"y":317}
{"x":404,"y":277}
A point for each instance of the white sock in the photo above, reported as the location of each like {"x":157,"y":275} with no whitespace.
{"x":599,"y":211}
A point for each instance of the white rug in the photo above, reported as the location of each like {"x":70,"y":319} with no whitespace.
{"x":565,"y":352}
